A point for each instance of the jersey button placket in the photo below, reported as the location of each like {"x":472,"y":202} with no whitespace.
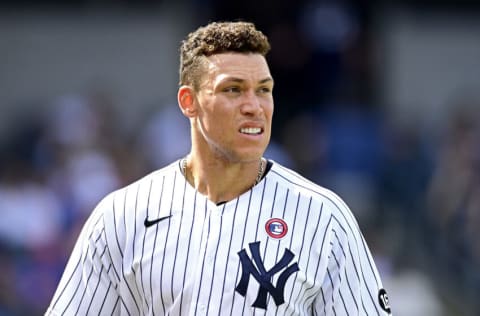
{"x":206,"y":261}
{"x":213,"y":236}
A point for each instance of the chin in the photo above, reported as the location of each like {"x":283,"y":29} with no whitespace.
{"x":251,"y":156}
{"x":244,"y":154}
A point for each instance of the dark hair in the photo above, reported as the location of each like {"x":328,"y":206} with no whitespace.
{"x":216,"y":38}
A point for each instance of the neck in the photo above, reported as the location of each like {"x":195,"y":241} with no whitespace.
{"x":222,"y":181}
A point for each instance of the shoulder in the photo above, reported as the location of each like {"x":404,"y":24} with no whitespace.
{"x":119,"y":206}
{"x":118,"y":214}
{"x":331,"y":203}
{"x":142,"y":186}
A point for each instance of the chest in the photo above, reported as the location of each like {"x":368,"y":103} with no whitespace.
{"x":219,"y":259}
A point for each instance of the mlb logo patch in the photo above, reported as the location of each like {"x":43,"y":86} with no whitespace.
{"x":276,"y":228}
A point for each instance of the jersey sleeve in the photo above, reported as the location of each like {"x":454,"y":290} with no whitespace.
{"x":351,"y":285}
{"x":88,"y":285}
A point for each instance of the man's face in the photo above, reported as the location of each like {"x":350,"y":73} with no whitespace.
{"x":235,"y":106}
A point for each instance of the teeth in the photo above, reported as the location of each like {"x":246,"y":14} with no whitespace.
{"x":251,"y":130}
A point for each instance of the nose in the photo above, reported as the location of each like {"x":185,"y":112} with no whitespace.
{"x":251,"y":104}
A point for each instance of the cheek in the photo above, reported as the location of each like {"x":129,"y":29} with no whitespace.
{"x":268,"y":110}
{"x":215,"y":123}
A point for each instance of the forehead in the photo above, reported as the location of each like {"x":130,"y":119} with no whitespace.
{"x":252,"y":67}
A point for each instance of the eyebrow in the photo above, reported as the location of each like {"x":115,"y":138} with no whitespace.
{"x":269,"y":79}
{"x":239,"y":80}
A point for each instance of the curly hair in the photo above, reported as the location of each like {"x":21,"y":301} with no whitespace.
{"x":217,"y":38}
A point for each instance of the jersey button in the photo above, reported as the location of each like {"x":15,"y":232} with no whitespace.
{"x":210,"y":260}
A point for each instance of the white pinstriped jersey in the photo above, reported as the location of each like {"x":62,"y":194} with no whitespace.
{"x":285,"y":247}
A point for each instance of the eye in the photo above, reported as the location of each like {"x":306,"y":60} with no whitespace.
{"x":231,"y":89}
{"x":264,"y":90}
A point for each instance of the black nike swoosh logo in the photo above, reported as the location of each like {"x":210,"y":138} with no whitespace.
{"x":149,"y":223}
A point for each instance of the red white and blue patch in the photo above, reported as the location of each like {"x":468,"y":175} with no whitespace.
{"x":276,"y":228}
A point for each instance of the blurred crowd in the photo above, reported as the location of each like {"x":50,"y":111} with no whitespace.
{"x":415,"y":191}
{"x":416,"y":196}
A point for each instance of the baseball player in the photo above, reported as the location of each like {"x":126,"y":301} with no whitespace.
{"x":222,"y":231}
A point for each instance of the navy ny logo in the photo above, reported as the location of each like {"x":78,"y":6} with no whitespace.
{"x":264,"y":277}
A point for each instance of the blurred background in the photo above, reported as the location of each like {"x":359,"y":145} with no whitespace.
{"x":379,"y":101}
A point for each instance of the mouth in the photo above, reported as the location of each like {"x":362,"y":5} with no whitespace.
{"x":251,"y":130}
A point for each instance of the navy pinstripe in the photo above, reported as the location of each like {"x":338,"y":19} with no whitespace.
{"x":189,"y":262}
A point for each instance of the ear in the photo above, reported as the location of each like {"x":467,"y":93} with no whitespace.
{"x":186,"y":101}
